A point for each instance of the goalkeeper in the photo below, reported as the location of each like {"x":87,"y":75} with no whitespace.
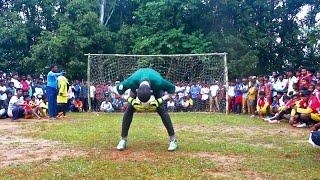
{"x":145,"y":83}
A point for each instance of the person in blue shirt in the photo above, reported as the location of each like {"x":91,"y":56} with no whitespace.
{"x":52,"y":90}
{"x":195,"y":91}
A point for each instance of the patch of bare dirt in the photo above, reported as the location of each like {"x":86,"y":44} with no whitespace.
{"x":226,"y":165}
{"x":129,"y":155}
{"x":250,"y":130}
{"x":16,"y":149}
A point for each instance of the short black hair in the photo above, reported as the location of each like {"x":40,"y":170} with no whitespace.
{"x":52,"y":66}
{"x":262,"y":93}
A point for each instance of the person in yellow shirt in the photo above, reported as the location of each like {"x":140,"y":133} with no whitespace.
{"x":62,"y":98}
{"x":252,"y":96}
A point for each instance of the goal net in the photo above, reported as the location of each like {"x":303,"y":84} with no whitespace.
{"x":184,"y":70}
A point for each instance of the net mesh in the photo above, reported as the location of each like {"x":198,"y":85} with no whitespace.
{"x":203,"y":68}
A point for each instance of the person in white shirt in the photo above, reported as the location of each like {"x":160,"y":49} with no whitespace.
{"x":291,"y":81}
{"x":3,"y":95}
{"x":170,"y":104}
{"x":214,"y":103}
{"x":15,"y":81}
{"x":106,"y":106}
{"x":15,"y":109}
{"x":205,"y":91}
{"x":279,"y":86}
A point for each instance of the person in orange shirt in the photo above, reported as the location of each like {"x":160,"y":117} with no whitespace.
{"x":78,"y":105}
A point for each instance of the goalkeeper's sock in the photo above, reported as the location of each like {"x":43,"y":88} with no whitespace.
{"x":172,"y":138}
{"x":125,"y":138}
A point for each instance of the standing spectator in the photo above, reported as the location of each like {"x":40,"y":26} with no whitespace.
{"x":238,"y":96}
{"x":15,"y":80}
{"x":291,"y":81}
{"x":170,"y":104}
{"x":205,"y":91}
{"x":92,"y":93}
{"x":76,"y":88}
{"x":11,"y":88}
{"x":195,"y":92}
{"x":52,"y":91}
{"x":177,"y":103}
{"x":24,"y":83}
{"x":15,"y":107}
{"x":244,"y":90}
{"x":3,"y":95}
{"x":252,"y":96}
{"x":214,"y":103}
{"x":106,"y":106}
{"x":84,"y":95}
{"x":99,"y":96}
{"x":62,"y":98}
{"x":231,"y":97}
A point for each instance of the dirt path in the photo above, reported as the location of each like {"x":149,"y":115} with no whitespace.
{"x":15,"y":149}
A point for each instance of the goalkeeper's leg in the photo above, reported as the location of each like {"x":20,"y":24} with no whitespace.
{"x":126,"y":122}
{"x":173,"y":145}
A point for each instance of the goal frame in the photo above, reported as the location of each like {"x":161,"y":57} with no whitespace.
{"x":224,"y":55}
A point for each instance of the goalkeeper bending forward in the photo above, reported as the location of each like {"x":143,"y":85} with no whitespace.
{"x":143,"y":84}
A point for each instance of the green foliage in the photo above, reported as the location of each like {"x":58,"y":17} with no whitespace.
{"x":259,"y":36}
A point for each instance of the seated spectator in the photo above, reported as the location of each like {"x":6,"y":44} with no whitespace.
{"x":30,"y":108}
{"x":170,"y":105}
{"x":263,"y":105}
{"x":275,"y":105}
{"x":118,"y":103}
{"x":43,"y":104}
{"x":106,"y":106}
{"x":309,"y":114}
{"x":187,"y":104}
{"x":314,"y":137}
{"x":78,"y":106}
{"x":15,"y":107}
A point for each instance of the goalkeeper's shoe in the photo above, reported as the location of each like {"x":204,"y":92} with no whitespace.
{"x":122,"y":145}
{"x":173,"y":145}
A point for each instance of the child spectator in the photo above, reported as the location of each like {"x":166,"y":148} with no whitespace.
{"x":187,"y":104}
{"x":78,"y":105}
{"x":245,"y":89}
{"x":238,"y":96}
{"x":11,"y":88}
{"x":118,"y":103}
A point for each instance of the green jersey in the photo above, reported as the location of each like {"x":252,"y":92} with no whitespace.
{"x":157,"y":82}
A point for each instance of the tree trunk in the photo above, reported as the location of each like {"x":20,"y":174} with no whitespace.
{"x":102,"y":8}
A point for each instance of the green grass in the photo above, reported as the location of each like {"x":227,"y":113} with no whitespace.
{"x":248,"y":148}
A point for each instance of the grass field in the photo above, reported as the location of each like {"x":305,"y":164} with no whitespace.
{"x":211,"y":146}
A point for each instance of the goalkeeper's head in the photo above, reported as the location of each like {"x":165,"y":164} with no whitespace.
{"x":144,"y":91}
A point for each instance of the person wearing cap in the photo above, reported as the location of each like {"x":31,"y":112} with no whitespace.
{"x":51,"y":90}
{"x":144,"y":84}
{"x":314,"y":137}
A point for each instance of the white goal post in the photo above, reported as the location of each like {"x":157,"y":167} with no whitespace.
{"x":208,"y":67}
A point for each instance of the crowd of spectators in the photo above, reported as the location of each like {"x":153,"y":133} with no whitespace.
{"x":292,"y":95}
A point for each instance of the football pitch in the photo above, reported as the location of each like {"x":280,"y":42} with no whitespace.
{"x":211,"y":146}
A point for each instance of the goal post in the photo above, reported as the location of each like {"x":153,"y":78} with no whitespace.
{"x":178,"y":68}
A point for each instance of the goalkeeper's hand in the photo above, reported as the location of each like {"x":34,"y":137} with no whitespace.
{"x":157,"y":102}
{"x":136,"y":104}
